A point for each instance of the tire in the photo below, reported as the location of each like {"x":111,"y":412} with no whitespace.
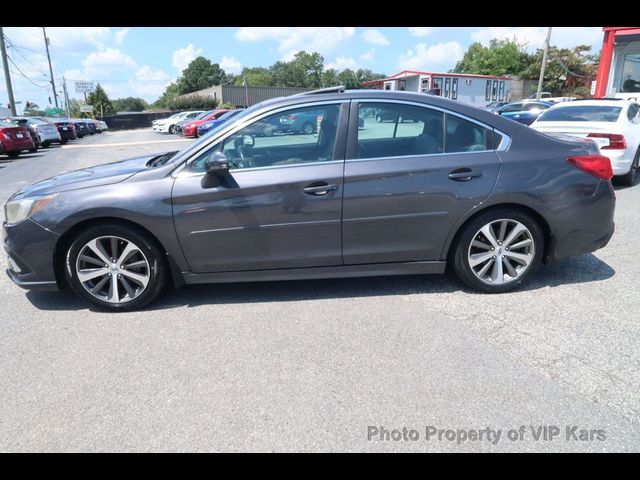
{"x":463,"y":250}
{"x":307,"y":128}
{"x":172,"y":129}
{"x":379,"y":118}
{"x":13,"y":154}
{"x":147,"y":256}
{"x":45,"y":144}
{"x":33,"y":150}
{"x":632,"y":177}
{"x":64,"y":142}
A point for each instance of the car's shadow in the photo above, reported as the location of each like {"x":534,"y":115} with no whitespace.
{"x":583,"y":269}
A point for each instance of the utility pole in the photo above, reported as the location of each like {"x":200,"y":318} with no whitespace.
{"x":66,"y":96}
{"x":46,"y":44}
{"x":246,"y":91}
{"x":544,"y":63}
{"x":7,"y":75}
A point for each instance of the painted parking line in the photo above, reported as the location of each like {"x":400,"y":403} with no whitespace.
{"x":126,"y":144}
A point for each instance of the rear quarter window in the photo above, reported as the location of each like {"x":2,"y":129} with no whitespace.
{"x":586,"y":113}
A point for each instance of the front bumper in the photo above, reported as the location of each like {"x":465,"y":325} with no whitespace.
{"x":30,"y":248}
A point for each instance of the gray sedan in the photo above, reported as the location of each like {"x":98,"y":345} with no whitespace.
{"x":456,"y":186}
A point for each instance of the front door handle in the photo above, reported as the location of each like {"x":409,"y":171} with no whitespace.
{"x":319,"y":188}
{"x":464,"y":174}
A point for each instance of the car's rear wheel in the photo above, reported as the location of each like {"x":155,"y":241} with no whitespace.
{"x":498,"y":250}
{"x":632,"y":177}
{"x":307,"y":128}
{"x":13,"y":154}
{"x":115,"y":267}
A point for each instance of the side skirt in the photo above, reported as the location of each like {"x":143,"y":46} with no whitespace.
{"x":342,"y":271}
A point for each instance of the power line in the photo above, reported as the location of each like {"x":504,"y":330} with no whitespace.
{"x":22,"y":73}
{"x":12,"y":45}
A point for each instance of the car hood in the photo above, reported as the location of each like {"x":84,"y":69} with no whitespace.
{"x":87,"y":177}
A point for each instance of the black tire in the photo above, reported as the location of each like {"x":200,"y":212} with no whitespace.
{"x":172,"y":129}
{"x":33,"y":150}
{"x":64,"y":142}
{"x":632,"y":177}
{"x":307,"y":128}
{"x":155,"y":257}
{"x":458,"y":258}
{"x":13,"y":154}
{"x":45,"y":144}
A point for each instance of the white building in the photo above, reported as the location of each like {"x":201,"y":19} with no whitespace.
{"x":477,"y":90}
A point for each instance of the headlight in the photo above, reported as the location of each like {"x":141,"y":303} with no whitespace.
{"x":16,"y":211}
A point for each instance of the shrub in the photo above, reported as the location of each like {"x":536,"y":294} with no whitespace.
{"x":193,"y":102}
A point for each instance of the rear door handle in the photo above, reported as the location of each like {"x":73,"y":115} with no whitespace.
{"x":319,"y":189}
{"x":464,"y":174}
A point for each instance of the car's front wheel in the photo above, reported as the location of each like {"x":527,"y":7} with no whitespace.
{"x":172,"y":129}
{"x":498,"y":250}
{"x":115,"y":267}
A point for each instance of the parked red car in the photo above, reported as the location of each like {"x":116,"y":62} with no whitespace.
{"x":14,"y":139}
{"x":190,"y":129}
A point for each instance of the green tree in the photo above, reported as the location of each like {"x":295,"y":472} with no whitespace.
{"x":129,"y":104}
{"x":304,"y":70}
{"x":569,"y":71}
{"x":193,"y":102}
{"x":100,"y":101}
{"x":330,"y":78}
{"x":74,"y":108}
{"x":169,"y":94}
{"x":501,"y":57}
{"x":199,"y":74}
{"x":256,"y":77}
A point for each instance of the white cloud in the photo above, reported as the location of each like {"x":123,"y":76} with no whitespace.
{"x":230,"y":64}
{"x":422,"y":57}
{"x":563,"y":37}
{"x":103,"y":63}
{"x":71,"y":40}
{"x":120,"y":34}
{"x":293,"y":39}
{"x":369,"y":56}
{"x":419,"y":31}
{"x":184,"y":56}
{"x":374,"y":37}
{"x":342,"y":63}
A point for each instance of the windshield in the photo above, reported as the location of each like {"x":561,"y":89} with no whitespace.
{"x":581,"y":113}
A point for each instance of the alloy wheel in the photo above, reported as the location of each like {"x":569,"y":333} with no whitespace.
{"x":501,"y":251}
{"x":113,"y":269}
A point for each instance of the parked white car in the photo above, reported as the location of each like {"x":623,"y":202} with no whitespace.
{"x":103,"y":125}
{"x":613,"y":124}
{"x":167,"y":125}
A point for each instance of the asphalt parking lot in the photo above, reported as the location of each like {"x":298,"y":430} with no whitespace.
{"x":321,"y":365}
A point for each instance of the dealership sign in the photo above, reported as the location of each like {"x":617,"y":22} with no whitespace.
{"x":84,"y":86}
{"x":86,"y":108}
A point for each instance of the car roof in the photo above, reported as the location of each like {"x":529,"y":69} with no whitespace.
{"x":603,"y":103}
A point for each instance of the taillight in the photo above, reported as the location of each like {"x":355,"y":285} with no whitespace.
{"x":616,"y":141}
{"x":596,"y":165}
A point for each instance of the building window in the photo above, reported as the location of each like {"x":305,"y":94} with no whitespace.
{"x":424,"y":85}
{"x":447,"y":87}
{"x":487,"y":93}
{"x":436,"y":86}
{"x":630,"y":81}
{"x":501,"y":91}
{"x":454,"y":89}
{"x":494,"y":90}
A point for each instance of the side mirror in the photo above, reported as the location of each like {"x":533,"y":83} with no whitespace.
{"x":217,"y":164}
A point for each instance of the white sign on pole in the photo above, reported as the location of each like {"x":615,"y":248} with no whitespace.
{"x":83,"y":86}
{"x":593,"y":87}
{"x":86,"y":108}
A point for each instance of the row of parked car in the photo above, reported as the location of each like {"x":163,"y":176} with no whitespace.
{"x":197,"y":123}
{"x":28,"y":134}
{"x":613,"y":123}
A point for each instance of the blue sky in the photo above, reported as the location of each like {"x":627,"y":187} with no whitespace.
{"x":141,"y":61}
